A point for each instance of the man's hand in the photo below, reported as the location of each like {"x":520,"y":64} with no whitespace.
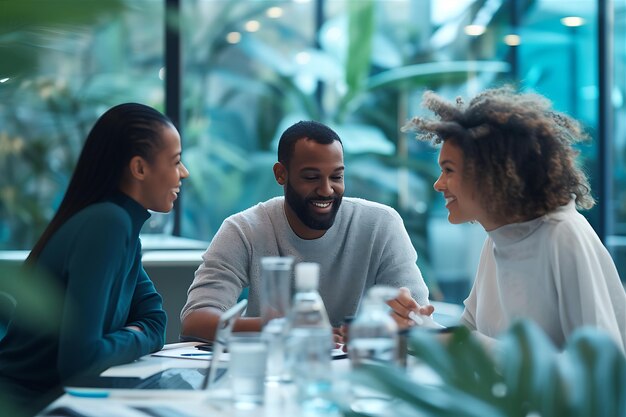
{"x":403,"y":304}
{"x":201,"y":324}
{"x":338,"y":335}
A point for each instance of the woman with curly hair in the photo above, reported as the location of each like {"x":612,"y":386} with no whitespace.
{"x":507,"y":162}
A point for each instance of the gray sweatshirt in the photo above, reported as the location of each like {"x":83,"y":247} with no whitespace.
{"x":367,"y":245}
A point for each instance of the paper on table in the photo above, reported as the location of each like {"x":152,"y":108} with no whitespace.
{"x":170,"y":358}
{"x":338,"y":353}
{"x":188,"y":352}
{"x":424,"y":321}
{"x":170,"y":346}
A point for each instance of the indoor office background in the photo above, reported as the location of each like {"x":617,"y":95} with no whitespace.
{"x":234,"y":73}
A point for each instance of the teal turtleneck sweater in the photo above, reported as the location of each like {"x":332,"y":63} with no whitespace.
{"x":95,"y":261}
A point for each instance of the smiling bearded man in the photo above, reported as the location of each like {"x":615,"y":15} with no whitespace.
{"x":311,"y":218}
{"x":358,"y":243}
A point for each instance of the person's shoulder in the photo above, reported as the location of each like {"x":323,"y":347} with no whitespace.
{"x":373,"y":208}
{"x":260,"y":212}
{"x":566,"y":225}
{"x":102,"y":225}
{"x":103,"y":215}
{"x":565,"y":218}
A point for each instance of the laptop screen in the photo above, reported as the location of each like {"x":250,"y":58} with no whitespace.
{"x":224,"y":329}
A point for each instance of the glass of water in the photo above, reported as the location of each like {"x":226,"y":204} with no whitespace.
{"x":276,"y":293}
{"x":247,"y":368}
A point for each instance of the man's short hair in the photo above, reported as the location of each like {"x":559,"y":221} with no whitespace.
{"x":304,"y":129}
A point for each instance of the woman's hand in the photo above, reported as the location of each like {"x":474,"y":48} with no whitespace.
{"x":403,"y":304}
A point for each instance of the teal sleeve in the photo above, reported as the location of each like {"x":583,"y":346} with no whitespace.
{"x":97,"y":264}
{"x":147,"y":311}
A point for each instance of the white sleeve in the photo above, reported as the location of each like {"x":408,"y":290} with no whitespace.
{"x":589,"y":290}
{"x":468,"y":318}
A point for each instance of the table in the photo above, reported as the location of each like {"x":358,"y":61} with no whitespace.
{"x":280,"y":399}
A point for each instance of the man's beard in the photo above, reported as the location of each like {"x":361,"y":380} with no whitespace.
{"x":302,"y":207}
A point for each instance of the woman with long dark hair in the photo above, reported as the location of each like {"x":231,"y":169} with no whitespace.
{"x":110,"y":312}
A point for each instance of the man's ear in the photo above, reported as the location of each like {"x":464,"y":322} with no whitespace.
{"x":280,"y":173}
{"x":137,"y":167}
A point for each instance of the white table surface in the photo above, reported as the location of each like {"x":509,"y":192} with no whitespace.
{"x":280,"y":399}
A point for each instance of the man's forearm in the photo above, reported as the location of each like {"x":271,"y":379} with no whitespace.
{"x":202,"y":324}
{"x":248,"y":324}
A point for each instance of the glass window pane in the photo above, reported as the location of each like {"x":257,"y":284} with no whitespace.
{"x":252,"y":68}
{"x":617,"y":231}
{"x":67,"y":63}
{"x":247,"y":66}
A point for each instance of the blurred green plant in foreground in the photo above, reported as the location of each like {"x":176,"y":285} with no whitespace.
{"x":526,"y":376}
{"x":29,"y":299}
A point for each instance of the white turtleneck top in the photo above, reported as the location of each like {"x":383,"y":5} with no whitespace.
{"x":553,"y":270}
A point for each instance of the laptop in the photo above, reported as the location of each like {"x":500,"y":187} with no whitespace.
{"x":186,"y":378}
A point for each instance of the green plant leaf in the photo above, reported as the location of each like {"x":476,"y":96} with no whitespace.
{"x":474,"y":367}
{"x":525,"y":376}
{"x":36,"y":293}
{"x":601,"y":369}
{"x":361,"y":27}
{"x":425,"y":346}
{"x":527,"y":361}
{"x":434,"y":73}
{"x":25,"y":26}
{"x":431,"y":400}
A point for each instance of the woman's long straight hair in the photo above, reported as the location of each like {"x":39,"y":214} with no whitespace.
{"x":121,"y":133}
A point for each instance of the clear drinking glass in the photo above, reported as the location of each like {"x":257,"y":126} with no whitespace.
{"x":276,"y":284}
{"x":276,"y":288}
{"x":247,"y":368}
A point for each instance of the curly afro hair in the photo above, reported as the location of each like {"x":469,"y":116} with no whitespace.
{"x":518,"y":150}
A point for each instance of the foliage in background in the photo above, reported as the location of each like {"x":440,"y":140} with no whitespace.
{"x":237,"y":100}
{"x":71,"y":59}
{"x":525,"y":376}
{"x":240,"y":97}
{"x":61,"y":74}
{"x":26,"y":27}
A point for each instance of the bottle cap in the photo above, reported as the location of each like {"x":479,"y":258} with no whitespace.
{"x":276,"y":263}
{"x":307,"y":275}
